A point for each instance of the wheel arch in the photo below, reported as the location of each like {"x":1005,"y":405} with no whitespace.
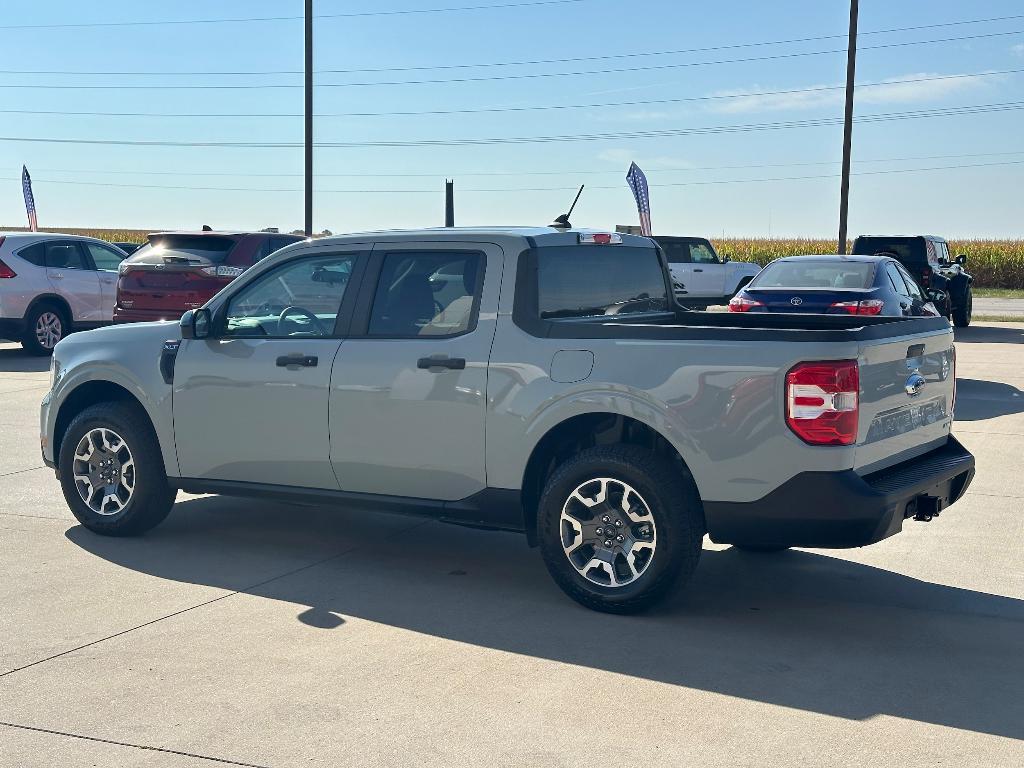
{"x":52,"y":298}
{"x":84,"y":395}
{"x":576,"y":433}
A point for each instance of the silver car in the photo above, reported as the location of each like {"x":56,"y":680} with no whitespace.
{"x":51,"y":284}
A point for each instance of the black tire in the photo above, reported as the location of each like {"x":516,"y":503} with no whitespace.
{"x":962,"y":314}
{"x":29,"y":341}
{"x":675,"y":506}
{"x":152,"y":497}
{"x":758,"y":549}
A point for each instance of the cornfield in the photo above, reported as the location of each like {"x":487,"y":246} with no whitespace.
{"x":993,"y":263}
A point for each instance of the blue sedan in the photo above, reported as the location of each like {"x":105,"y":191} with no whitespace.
{"x":830,"y":285}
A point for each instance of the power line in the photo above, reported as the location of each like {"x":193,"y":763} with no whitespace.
{"x":519,"y":76}
{"x":528,"y":189}
{"x":482,"y":141}
{"x":349,"y":15}
{"x":733,"y":128}
{"x":531,"y":108}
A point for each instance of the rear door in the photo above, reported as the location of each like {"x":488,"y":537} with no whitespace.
{"x":408,"y":392}
{"x":71,"y":276}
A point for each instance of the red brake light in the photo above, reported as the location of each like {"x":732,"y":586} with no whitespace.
{"x":6,"y":271}
{"x":823,"y":402}
{"x":866,"y":307}
{"x":740,"y":304}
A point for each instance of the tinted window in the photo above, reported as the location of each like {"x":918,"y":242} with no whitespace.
{"x":913,"y":289}
{"x":676,"y":253}
{"x":105,"y":259}
{"x":212,"y":248}
{"x":425,"y":294}
{"x":815,"y":274}
{"x":64,"y":255}
{"x":309,"y":289}
{"x":702,"y":253}
{"x":907,"y":250}
{"x":277,"y":243}
{"x":586,"y":281}
{"x":896,"y":280}
{"x":34,"y":254}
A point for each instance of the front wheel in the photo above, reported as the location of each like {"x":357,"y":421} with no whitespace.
{"x":112,"y":472}
{"x":619,"y":526}
{"x":962,"y":314}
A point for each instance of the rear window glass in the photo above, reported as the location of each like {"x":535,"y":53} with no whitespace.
{"x":34,"y":254}
{"x":585,"y":281}
{"x":208,"y":247}
{"x":815,"y":274}
{"x":906,"y":250}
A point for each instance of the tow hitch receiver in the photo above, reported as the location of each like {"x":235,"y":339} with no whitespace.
{"x":924,"y":508}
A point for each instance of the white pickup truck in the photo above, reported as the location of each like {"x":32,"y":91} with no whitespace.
{"x":701,"y":279}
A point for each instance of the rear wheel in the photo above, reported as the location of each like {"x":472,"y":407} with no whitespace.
{"x":45,"y":325}
{"x":112,"y":472}
{"x":619,"y":526}
{"x":962,"y":314}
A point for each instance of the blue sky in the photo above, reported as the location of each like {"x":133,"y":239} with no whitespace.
{"x":711,"y":183}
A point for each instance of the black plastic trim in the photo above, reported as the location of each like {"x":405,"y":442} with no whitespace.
{"x":491,"y":508}
{"x":842,"y":509}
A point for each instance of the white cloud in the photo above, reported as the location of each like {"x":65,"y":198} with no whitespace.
{"x":1018,"y":50}
{"x":894,"y":90}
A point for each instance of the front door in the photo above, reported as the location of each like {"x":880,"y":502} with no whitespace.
{"x":409,"y":388}
{"x":707,"y":273}
{"x":251,"y":404}
{"x":105,"y":261}
{"x":71,"y":276}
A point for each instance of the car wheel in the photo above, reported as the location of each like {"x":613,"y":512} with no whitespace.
{"x":962,"y":315}
{"x":112,"y":471}
{"x":45,"y":325}
{"x":619,"y":526}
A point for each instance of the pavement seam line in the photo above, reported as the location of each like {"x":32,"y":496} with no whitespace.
{"x":243,"y":590}
{"x":21,"y":471}
{"x":52,"y":732}
{"x":35,"y":517}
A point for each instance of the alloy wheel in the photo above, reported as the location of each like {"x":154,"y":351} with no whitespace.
{"x":104,"y":471}
{"x":49,"y":329}
{"x":608,"y":532}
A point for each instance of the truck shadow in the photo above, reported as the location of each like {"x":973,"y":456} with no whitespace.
{"x":797,"y":629}
{"x":16,"y":360}
{"x":978,"y":399}
{"x":989,"y":334}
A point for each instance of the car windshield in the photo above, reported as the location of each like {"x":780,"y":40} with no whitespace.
{"x":585,"y":281}
{"x":815,"y":274}
{"x":210,"y":248}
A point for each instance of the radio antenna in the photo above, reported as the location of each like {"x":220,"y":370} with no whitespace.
{"x":562,"y":222}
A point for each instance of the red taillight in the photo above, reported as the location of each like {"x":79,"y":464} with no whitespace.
{"x":6,"y":271}
{"x":823,"y":402}
{"x":740,"y":304}
{"x":925,"y":279}
{"x":866,"y":307}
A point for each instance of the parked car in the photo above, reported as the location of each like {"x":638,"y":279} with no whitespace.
{"x":178,"y":271}
{"x":700,"y":278}
{"x":927,"y":258}
{"x":52,"y":284}
{"x":525,"y":379}
{"x":129,"y":248}
{"x":836,"y":285}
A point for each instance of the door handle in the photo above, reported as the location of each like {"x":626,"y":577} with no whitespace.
{"x":698,"y":270}
{"x":57,"y":276}
{"x":452,"y":363}
{"x":304,"y":361}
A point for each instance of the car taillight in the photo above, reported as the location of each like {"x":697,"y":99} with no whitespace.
{"x":6,"y":271}
{"x":926,"y":278}
{"x":866,"y":307}
{"x":823,"y":402}
{"x":741,"y":304}
{"x":600,"y":238}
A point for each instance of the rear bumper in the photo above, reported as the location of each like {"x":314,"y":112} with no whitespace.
{"x":843,"y":509}
{"x":12,"y":328}
{"x":146,"y":315}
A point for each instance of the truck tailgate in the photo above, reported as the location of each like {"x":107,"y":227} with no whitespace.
{"x":906,"y":401}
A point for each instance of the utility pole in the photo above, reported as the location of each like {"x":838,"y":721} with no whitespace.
{"x":449,"y":203}
{"x":309,"y":119}
{"x":851,"y":72}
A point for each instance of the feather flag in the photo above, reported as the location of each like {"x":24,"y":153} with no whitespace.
{"x":30,"y":201}
{"x":638,"y":183}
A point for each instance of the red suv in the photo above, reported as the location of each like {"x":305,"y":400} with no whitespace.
{"x":178,"y":271}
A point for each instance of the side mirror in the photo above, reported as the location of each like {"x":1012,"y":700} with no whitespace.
{"x":726,"y":258}
{"x":961,"y":259}
{"x":937,"y":297}
{"x":196,"y":324}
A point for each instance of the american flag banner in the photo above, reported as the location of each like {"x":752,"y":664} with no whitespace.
{"x":30,"y":201}
{"x":638,"y":183}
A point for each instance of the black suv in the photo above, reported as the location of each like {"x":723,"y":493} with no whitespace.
{"x":927,"y":258}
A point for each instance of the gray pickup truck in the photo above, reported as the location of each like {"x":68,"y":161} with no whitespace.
{"x":524,"y":379}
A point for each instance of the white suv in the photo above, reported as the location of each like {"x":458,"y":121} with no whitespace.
{"x":700,"y":277}
{"x":51,"y":284}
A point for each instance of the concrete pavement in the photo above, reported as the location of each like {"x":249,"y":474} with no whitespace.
{"x":254,"y":633}
{"x":1005,"y":307}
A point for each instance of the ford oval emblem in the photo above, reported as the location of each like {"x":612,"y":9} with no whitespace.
{"x":914,"y":385}
{"x":796,"y":301}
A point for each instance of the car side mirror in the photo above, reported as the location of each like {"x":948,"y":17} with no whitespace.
{"x":961,"y":259}
{"x":937,"y":297}
{"x":726,"y":258}
{"x":196,"y":324}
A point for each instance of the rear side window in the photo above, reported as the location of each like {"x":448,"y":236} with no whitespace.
{"x":913,"y":289}
{"x":815,"y":274}
{"x":34,"y":254}
{"x":211,"y":248}
{"x":588,"y":281}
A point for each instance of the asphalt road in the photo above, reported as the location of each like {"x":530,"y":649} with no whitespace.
{"x":1005,"y":307}
{"x":253,"y":633}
